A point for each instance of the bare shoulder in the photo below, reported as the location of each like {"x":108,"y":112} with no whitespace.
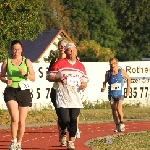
{"x":106,"y":72}
{"x":4,"y":65}
{"x":124,"y":74}
{"x":28,"y":61}
{"x":4,"y":62}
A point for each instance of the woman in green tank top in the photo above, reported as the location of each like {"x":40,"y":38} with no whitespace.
{"x":17,"y":94}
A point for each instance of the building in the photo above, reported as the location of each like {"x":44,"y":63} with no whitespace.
{"x":39,"y":49}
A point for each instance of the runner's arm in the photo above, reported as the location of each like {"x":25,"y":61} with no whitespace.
{"x":84,"y":79}
{"x":52,"y":76}
{"x":3,"y":71}
{"x":125,"y":75}
{"x":31,"y":73}
{"x":106,"y":80}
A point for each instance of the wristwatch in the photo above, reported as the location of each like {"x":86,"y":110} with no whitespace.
{"x":26,"y":75}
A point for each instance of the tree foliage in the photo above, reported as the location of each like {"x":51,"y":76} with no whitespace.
{"x":103,"y":24}
{"x":93,"y":20}
{"x":78,"y":18}
{"x":3,"y":54}
{"x":133,"y":19}
{"x":19,"y":20}
{"x":120,"y":25}
{"x":54,"y":15}
{"x":90,"y":51}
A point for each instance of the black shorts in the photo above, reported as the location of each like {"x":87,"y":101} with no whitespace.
{"x":22,"y":97}
{"x":115,"y":98}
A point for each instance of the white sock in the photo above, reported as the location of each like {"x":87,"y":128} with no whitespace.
{"x":15,"y":140}
{"x":19,"y":144}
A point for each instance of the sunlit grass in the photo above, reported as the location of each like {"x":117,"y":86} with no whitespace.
{"x":128,"y":141}
{"x":94,"y":114}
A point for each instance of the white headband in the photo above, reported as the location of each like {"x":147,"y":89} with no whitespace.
{"x":69,"y":45}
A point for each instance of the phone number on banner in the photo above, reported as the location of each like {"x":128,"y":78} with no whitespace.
{"x":137,"y":92}
{"x":40,"y":93}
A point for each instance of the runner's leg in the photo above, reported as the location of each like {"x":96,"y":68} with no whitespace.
{"x":64,"y":117}
{"x":73,"y":114}
{"x":113,"y":105}
{"x":120,"y":113}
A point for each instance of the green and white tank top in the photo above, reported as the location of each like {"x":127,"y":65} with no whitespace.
{"x":14,"y":74}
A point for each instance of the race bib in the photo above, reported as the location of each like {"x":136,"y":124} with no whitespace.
{"x":24,"y":85}
{"x":73,"y":81}
{"x":116,"y":86}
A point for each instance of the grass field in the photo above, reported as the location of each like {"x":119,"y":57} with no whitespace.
{"x":48,"y":115}
{"x":128,"y":141}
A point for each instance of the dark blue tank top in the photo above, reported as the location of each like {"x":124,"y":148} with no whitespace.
{"x":116,"y":83}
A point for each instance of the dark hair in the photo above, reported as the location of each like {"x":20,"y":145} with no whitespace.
{"x":16,"y":42}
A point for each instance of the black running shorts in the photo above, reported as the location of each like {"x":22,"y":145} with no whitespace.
{"x":22,"y":97}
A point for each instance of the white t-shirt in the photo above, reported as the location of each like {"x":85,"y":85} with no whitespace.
{"x":68,"y":95}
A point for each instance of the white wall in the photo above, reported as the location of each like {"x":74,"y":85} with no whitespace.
{"x":96,"y":72}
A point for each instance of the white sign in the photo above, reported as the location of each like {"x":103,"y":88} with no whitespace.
{"x":138,"y":71}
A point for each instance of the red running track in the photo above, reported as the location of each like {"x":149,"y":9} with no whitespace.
{"x":46,"y":137}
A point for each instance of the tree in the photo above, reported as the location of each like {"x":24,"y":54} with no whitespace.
{"x":3,"y":55}
{"x":78,"y":19}
{"x":91,"y":51}
{"x":93,"y":20}
{"x":103,"y":24}
{"x":19,"y":20}
{"x":54,"y":15}
{"x":133,"y":19}
{"x":48,"y":17}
